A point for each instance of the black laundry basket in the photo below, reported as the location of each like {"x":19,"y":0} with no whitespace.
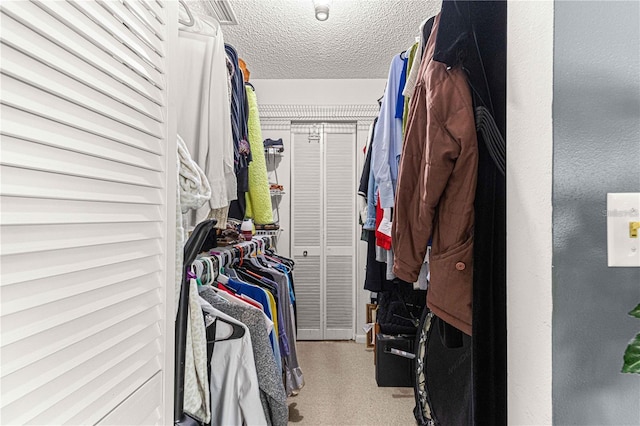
{"x":192,"y":247}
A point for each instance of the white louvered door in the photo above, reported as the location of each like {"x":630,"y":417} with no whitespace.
{"x":307,"y":222}
{"x":323,"y":222}
{"x":87,"y":250}
{"x":339,"y":224}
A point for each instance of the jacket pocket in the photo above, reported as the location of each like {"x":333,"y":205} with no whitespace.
{"x":451,"y":286}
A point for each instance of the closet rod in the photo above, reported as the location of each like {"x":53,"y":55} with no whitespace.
{"x":257,"y":243}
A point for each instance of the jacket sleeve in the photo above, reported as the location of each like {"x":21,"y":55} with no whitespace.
{"x":428,"y":159}
{"x":380,"y":156}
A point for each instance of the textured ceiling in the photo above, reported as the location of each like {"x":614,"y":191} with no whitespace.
{"x":281,"y":39}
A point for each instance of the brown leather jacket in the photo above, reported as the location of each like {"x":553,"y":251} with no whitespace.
{"x":436,"y":189}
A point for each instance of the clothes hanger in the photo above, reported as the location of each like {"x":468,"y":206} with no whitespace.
{"x":241,"y":258}
{"x":211,"y":270}
{"x":484,"y":114}
{"x":260,"y":256}
{"x":198,"y":269}
{"x":223,"y":266}
{"x":191,"y":20}
{"x":237,"y":331}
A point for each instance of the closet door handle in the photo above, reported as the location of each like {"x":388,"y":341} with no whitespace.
{"x":304,"y":253}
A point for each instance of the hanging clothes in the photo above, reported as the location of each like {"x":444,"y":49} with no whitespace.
{"x":235,"y":394}
{"x":239,"y":122}
{"x":258,"y":198}
{"x":204,"y":117}
{"x":294,"y":379}
{"x":441,"y":155}
{"x":410,"y":64}
{"x":412,"y":79}
{"x":196,"y":390}
{"x":368,"y":188}
{"x":387,"y":139}
{"x":274,"y":279}
{"x":192,"y":192}
{"x":272,"y":394}
{"x":195,"y":190}
{"x":261,"y":296}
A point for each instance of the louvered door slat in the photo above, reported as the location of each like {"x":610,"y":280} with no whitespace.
{"x":81,"y":21}
{"x":17,"y":153}
{"x":121,"y":381}
{"x":29,"y":99}
{"x":37,"y":211}
{"x":19,"y":124}
{"x":131,"y":39}
{"x":84,"y":190}
{"x":103,"y":354}
{"x":40,"y":76}
{"x":307,"y":190}
{"x":151,"y":391}
{"x":138,"y":26}
{"x":39,"y":292}
{"x":43,"y":238}
{"x":340,"y":294}
{"x":42,"y":25}
{"x":144,"y":16}
{"x":18,"y":181}
{"x":340,"y":184}
{"x":23,"y":352}
{"x":154,"y":9}
{"x":308,"y":295}
{"x":56,"y":57}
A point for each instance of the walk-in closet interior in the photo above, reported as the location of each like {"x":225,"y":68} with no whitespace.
{"x":253,"y":212}
{"x":272,"y":212}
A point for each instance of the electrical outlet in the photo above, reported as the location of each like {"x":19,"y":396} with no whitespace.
{"x":623,"y":216}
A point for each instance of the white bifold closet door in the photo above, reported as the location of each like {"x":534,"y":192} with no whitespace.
{"x":85,"y":151}
{"x":323,"y":215}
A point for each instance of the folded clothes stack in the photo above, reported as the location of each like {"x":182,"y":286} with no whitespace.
{"x":276,"y":187}
{"x":276,"y":144}
{"x":268,"y":227}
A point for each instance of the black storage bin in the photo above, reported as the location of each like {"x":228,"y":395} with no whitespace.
{"x":394,"y":370}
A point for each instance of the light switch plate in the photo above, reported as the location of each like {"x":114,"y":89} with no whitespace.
{"x":622,"y":209}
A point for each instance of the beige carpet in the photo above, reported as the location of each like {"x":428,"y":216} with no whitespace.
{"x":341,"y":389}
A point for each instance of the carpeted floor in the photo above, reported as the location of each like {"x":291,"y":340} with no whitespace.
{"x":340,"y":389}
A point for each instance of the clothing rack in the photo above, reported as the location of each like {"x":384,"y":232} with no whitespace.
{"x":192,"y":248}
{"x":240,"y":262}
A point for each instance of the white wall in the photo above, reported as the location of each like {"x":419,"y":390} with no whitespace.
{"x":319,"y":92}
{"x":529,"y":209}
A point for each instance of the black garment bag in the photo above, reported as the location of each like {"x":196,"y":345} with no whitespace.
{"x":472,"y":34}
{"x":192,"y":247}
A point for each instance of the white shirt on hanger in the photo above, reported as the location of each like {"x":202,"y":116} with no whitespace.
{"x":204,"y":114}
{"x":235,"y":395}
